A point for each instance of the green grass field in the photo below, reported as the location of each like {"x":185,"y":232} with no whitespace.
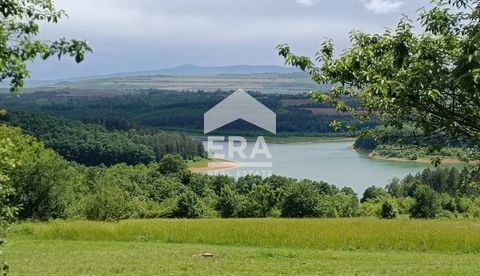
{"x":254,"y":246}
{"x":293,"y":83}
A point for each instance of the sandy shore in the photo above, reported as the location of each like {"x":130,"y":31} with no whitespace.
{"x":216,"y":166}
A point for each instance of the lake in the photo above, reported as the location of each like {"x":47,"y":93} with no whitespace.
{"x":335,"y":162}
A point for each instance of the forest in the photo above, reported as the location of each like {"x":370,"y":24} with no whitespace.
{"x":92,"y":144}
{"x":181,"y":111}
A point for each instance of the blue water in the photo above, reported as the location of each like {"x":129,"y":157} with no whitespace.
{"x":334,"y":162}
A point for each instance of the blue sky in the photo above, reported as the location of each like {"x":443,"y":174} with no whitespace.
{"x":132,"y":35}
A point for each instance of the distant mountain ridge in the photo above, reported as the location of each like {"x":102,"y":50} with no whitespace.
{"x":189,"y":69}
{"x":182,"y":70}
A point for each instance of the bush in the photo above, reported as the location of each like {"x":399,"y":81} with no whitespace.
{"x":228,"y":202}
{"x":174,"y":165}
{"x":301,"y":200}
{"x":338,"y":205}
{"x":427,"y":203}
{"x":405,"y":205}
{"x":388,"y":210}
{"x":189,"y":206}
{"x":162,"y":188}
{"x":201,"y":184}
{"x":370,"y":208}
{"x":447,"y":202}
{"x":264,"y":199}
{"x":109,"y":202}
{"x":44,"y":183}
{"x":373,"y":193}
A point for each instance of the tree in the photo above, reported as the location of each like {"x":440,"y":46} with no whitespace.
{"x":8,"y":210}
{"x":189,"y":206}
{"x":43,"y":181}
{"x":19,"y":27}
{"x":228,"y":202}
{"x":427,"y":203}
{"x":247,"y":183}
{"x":388,"y":210}
{"x":109,"y":202}
{"x":429,"y":80}
{"x":373,"y":193}
{"x":301,"y":200}
{"x":264,"y":198}
{"x":7,"y":162}
{"x":174,"y":165}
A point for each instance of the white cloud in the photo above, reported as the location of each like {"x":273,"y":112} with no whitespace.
{"x":377,"y":6}
{"x":307,"y":2}
{"x":383,"y":6}
{"x":147,"y":34}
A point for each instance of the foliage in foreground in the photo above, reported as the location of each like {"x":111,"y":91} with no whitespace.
{"x":19,"y":44}
{"x":8,"y":210}
{"x":429,"y":80}
{"x":48,"y":187}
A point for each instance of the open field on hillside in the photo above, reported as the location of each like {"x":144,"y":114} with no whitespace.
{"x":462,"y":236}
{"x":45,"y":257}
{"x":293,"y":83}
{"x":239,"y":246}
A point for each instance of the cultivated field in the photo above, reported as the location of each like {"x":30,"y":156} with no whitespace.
{"x":293,"y":83}
{"x":255,"y":246}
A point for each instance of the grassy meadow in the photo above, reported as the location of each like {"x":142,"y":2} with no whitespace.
{"x":257,"y":246}
{"x":291,"y":83}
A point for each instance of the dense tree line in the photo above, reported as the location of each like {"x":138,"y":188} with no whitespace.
{"x":444,"y":192}
{"x":411,"y":145}
{"x":91,"y":144}
{"x":173,"y":110}
{"x":47,"y":187}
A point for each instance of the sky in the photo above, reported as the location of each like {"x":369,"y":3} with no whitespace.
{"x":136,"y":35}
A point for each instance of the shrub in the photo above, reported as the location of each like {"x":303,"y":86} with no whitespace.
{"x":427,"y":204}
{"x":405,"y":205}
{"x":301,"y":200}
{"x":189,"y":206}
{"x":264,"y":199}
{"x":109,"y":202}
{"x":43,"y":181}
{"x":163,"y":187}
{"x":228,"y":202}
{"x":247,"y":183}
{"x":373,"y":193}
{"x":174,"y":165}
{"x":347,"y":205}
{"x":338,"y":205}
{"x":370,"y":208}
{"x":247,"y":208}
{"x":201,"y":184}
{"x":447,"y":202}
{"x":388,"y":210}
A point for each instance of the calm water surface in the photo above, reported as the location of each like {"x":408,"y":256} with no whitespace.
{"x":334,"y":162}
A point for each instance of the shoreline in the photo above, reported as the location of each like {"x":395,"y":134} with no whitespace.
{"x":308,"y":140}
{"x":291,"y":139}
{"x":215,"y":165}
{"x":423,"y":160}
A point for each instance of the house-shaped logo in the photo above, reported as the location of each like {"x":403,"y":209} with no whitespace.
{"x":240,"y":105}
